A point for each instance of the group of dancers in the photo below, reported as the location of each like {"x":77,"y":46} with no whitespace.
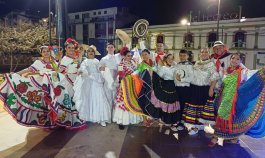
{"x":216,"y":91}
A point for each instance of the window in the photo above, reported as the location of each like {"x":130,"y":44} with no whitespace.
{"x":239,"y":39}
{"x":188,"y":40}
{"x":100,"y":30}
{"x":99,"y":12}
{"x":212,"y":37}
{"x":95,"y":13}
{"x":77,"y":16}
{"x":105,"y":12}
{"x":160,"y":38}
{"x":86,"y":15}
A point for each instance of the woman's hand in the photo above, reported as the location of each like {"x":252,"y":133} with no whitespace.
{"x":102,"y":68}
{"x":211,"y":92}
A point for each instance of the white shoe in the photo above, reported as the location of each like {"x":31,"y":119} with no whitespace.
{"x":167,"y":132}
{"x":103,"y":124}
{"x":180,"y":128}
{"x":193,"y":132}
{"x":176,"y":136}
{"x":173,"y":128}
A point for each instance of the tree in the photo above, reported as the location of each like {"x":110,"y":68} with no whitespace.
{"x":23,"y":37}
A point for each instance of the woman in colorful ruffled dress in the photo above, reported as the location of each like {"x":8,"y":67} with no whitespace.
{"x":91,"y":100}
{"x":240,"y":103}
{"x":199,"y":109}
{"x":23,"y":96}
{"x":137,"y":88}
{"x":59,"y":89}
{"x":122,"y":115}
{"x":164,"y":96}
{"x":158,"y":97}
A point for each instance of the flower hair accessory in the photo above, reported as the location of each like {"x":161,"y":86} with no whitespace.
{"x":71,"y":41}
{"x":123,"y":50}
{"x":42,"y":47}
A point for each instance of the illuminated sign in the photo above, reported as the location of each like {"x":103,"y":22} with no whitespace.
{"x":225,"y":16}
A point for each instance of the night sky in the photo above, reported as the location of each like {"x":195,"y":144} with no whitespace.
{"x":155,"y":11}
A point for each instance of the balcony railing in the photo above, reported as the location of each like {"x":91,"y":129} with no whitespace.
{"x":239,"y":45}
{"x":188,"y":44}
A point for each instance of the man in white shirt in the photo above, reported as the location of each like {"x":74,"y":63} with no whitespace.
{"x":109,"y":63}
{"x":183,"y":76}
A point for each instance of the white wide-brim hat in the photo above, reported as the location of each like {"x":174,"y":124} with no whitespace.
{"x":218,"y":43}
{"x":95,"y":49}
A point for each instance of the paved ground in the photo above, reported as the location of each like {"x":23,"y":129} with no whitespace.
{"x":99,"y":142}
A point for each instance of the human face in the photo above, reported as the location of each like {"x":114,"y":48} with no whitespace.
{"x":110,"y":49}
{"x":90,"y":53}
{"x":219,"y":50}
{"x":45,"y":52}
{"x":169,"y":60}
{"x":160,"y":47}
{"x":235,"y":60}
{"x":145,"y":56}
{"x":128,"y":57}
{"x":204,"y":55}
{"x":70,"y":49}
{"x":183,"y":57}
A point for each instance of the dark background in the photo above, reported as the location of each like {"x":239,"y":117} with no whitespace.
{"x":155,"y":11}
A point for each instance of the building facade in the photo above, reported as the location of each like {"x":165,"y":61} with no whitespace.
{"x":247,"y":37}
{"x":97,"y":27}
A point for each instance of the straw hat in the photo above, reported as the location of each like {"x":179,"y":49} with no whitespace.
{"x":218,"y":43}
{"x":95,"y":49}
{"x":85,"y":47}
{"x":123,"y":36}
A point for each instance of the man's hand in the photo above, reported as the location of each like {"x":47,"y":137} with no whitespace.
{"x":178,"y":77}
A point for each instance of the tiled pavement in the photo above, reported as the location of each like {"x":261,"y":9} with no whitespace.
{"x":110,"y":142}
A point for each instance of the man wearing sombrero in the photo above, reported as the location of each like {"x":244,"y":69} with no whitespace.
{"x":221,"y":58}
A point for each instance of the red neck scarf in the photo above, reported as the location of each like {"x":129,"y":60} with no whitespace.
{"x":218,"y":62}
{"x":160,"y":56}
{"x":231,"y":69}
{"x":150,"y":62}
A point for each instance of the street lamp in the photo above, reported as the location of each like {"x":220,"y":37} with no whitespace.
{"x":186,"y":23}
{"x":50,"y":34}
{"x":218,"y":19}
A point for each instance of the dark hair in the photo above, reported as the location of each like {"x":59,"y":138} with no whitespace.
{"x":110,"y":43}
{"x":146,"y":50}
{"x":166,"y":56}
{"x":126,"y":52}
{"x":241,"y":55}
{"x":190,"y":58}
{"x":184,"y":51}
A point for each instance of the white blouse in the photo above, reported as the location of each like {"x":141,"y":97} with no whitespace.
{"x":185,"y":70}
{"x":204,"y":73}
{"x":90,"y":68}
{"x":68,"y":65}
{"x":166,"y":72}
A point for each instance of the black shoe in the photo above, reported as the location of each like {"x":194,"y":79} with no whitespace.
{"x":121,"y":127}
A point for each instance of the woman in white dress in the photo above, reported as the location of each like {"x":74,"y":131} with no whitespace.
{"x":91,"y":99}
{"x":23,"y":97}
{"x":59,"y":89}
